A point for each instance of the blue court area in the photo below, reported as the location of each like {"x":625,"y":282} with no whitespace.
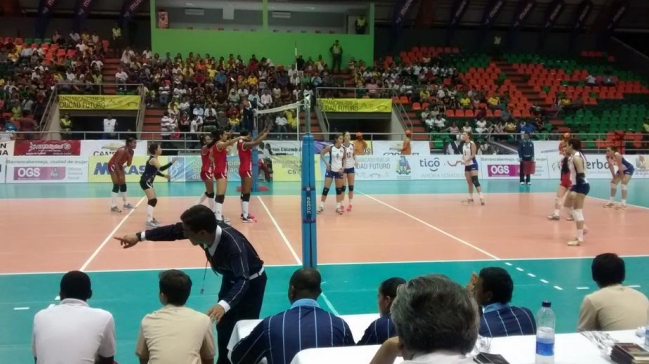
{"x":348,"y":288}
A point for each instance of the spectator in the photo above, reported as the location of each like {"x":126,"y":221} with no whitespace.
{"x":360,"y":24}
{"x":436,"y":321}
{"x":175,"y":333}
{"x":337,"y":55}
{"x":109,"y":127}
{"x":66,"y":126}
{"x":72,"y":332}
{"x":613,"y":307}
{"x":305,"y":325}
{"x":383,"y":328}
{"x":493,"y":289}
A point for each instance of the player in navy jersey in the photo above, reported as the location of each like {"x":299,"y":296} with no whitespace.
{"x":580,"y":187}
{"x":335,"y":169}
{"x":244,"y":147}
{"x":151,"y":170}
{"x":623,"y":175}
{"x":469,"y":150}
{"x":350,"y":164}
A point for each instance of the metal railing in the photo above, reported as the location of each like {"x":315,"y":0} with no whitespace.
{"x":98,"y":88}
{"x":46,"y":119}
{"x":505,"y":143}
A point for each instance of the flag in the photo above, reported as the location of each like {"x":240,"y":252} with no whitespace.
{"x":618,"y":10}
{"x":402,"y":9}
{"x":523,"y":11}
{"x":81,"y":11}
{"x":580,"y":19}
{"x":43,"y":16}
{"x":457,"y":13}
{"x":552,"y":14}
{"x":129,"y":8}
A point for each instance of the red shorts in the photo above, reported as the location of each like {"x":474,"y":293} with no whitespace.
{"x":245,"y":173}
{"x":218,"y":176}
{"x":112,"y":168}
{"x":207,"y":176}
{"x":565,"y":181}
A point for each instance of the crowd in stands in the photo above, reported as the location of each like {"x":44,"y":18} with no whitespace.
{"x":447,"y":321}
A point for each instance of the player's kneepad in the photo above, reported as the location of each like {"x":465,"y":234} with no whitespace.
{"x":115,"y":188}
{"x":624,"y":187}
{"x":339,"y":190}
{"x":245,"y":197}
{"x":614,"y":185}
{"x":210,"y":195}
{"x":351,"y":188}
{"x":325,"y":191}
{"x":475,"y":181}
{"x":122,"y":188}
{"x":343,"y":188}
{"x":220,"y":199}
{"x":578,"y":215}
{"x":153,"y":202}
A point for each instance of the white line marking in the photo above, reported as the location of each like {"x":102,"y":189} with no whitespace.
{"x":531,"y":275}
{"x":110,"y":236}
{"x":433,"y":227}
{"x":329,"y":304}
{"x":628,"y":204}
{"x":520,"y":269}
{"x":21,"y":308}
{"x":57,"y":298}
{"x":508,"y":264}
{"x":582,"y":288}
{"x":558,"y":288}
{"x":544,"y":281}
{"x":51,"y":305}
{"x":634,"y":286}
{"x":279,"y":230}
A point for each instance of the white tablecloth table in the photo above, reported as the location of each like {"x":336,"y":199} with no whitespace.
{"x":569,"y":349}
{"x":357,"y":324}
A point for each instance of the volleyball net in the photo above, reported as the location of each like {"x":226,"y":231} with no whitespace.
{"x":307,"y":174}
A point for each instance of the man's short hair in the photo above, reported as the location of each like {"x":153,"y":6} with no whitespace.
{"x":198,"y":218}
{"x":176,"y":286}
{"x":388,"y":288}
{"x":307,"y":281}
{"x":608,"y":269}
{"x":497,"y":281}
{"x":433,"y":313}
{"x":76,"y":284}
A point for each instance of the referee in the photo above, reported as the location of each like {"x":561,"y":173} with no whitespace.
{"x":525,"y":156}
{"x":231,"y":255}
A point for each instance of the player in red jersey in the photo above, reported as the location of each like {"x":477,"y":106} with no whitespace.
{"x":116,"y":168}
{"x":207,"y":166}
{"x":220,"y":157}
{"x":244,"y":147}
{"x":564,"y":187}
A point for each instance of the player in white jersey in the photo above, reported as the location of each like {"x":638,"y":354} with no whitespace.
{"x":470,"y":163}
{"x":350,"y":164}
{"x":623,"y":175}
{"x":335,"y":170}
{"x":580,"y":187}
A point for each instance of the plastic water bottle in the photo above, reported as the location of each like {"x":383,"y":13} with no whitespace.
{"x":545,"y":323}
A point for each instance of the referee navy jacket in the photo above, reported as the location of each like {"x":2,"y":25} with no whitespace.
{"x":526,"y":149}
{"x":233,"y":257}
{"x":280,"y":337}
{"x":379,"y":331}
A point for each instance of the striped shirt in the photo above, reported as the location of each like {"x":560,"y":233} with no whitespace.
{"x":280,"y":337}
{"x":504,"y":320}
{"x":378,"y":331}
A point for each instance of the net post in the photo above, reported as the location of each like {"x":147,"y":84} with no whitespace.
{"x":309,"y":233}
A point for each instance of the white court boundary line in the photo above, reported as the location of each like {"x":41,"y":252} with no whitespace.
{"x":290,"y":248}
{"x":431,"y":226}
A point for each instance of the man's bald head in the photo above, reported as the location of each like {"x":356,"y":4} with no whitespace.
{"x":305,"y":283}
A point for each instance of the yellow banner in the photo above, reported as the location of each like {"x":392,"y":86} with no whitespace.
{"x":356,"y":105}
{"x":98,"y":169}
{"x":99,"y":102}
{"x":288,"y":168}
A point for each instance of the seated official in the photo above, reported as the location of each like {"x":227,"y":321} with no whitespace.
{"x":436,"y":321}
{"x":305,"y":325}
{"x":613,"y":307}
{"x":73,"y":332}
{"x":383,"y":328}
{"x":175,"y":334}
{"x":493,"y":289}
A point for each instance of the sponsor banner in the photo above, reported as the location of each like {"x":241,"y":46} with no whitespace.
{"x":491,"y":12}
{"x":547,"y":147}
{"x":98,"y":169}
{"x":46,"y":169}
{"x":508,"y":166}
{"x":7,"y":149}
{"x":457,"y":12}
{"x":99,"y":102}
{"x":188,"y":169}
{"x":289,"y":168}
{"x":97,"y":148}
{"x":523,"y":11}
{"x":47,"y":148}
{"x":552,"y":14}
{"x":3,"y":168}
{"x":402,"y":9}
{"x":581,"y":15}
{"x":81,"y":11}
{"x":129,"y":9}
{"x":641,"y":164}
{"x":269,"y":148}
{"x":386,"y":147}
{"x":43,"y":16}
{"x":356,"y":105}
{"x":390,"y":167}
{"x":617,"y":12}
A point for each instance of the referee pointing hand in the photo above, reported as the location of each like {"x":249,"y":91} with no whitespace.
{"x":231,"y":255}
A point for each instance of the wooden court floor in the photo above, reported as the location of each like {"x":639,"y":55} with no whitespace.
{"x":396,"y":229}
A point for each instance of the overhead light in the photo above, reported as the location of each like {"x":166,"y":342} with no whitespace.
{"x":189,"y":4}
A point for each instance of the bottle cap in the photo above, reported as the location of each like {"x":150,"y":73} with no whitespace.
{"x":546,"y":304}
